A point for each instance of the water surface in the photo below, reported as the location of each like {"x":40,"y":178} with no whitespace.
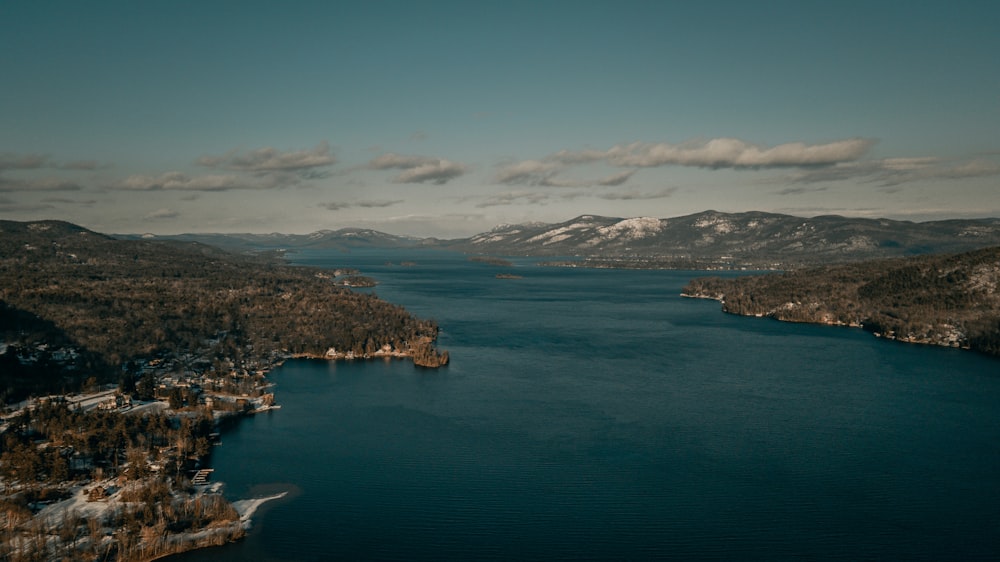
{"x":595,"y":414}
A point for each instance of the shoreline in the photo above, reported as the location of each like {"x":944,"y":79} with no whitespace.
{"x":888,"y":335}
{"x":248,"y":507}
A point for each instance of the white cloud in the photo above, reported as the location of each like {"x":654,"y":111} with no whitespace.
{"x":714,"y":153}
{"x":271,"y":159}
{"x":528,"y":172}
{"x":178,"y":181}
{"x":735,"y":153}
{"x":418,"y":169}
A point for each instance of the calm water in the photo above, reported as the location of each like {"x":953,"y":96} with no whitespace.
{"x":593,"y":414}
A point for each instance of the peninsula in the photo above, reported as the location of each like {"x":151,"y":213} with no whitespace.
{"x":120,"y":358}
{"x":951,"y":300}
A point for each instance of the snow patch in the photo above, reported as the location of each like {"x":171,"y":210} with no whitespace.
{"x":632,"y":229}
{"x":719,"y":224}
{"x":558,"y":233}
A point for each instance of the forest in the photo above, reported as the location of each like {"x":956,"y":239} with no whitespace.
{"x":82,"y":311}
{"x":153,"y":456}
{"x":106,"y":302}
{"x":947,"y":299}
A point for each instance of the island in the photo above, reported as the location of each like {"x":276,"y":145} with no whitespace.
{"x":121,"y":359}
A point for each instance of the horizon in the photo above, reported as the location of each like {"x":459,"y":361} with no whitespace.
{"x":500,"y":225}
{"x":445,"y":120}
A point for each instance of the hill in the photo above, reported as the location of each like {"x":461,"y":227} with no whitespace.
{"x":948,"y":300}
{"x":116,"y":301}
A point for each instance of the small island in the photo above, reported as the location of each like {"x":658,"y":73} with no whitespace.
{"x":508,"y":276}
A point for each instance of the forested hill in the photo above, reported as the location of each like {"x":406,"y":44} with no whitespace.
{"x":943,"y":299}
{"x":129,"y":299}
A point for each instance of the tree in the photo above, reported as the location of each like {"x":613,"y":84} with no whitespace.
{"x":146,"y":388}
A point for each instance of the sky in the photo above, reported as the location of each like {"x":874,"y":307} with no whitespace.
{"x":446,"y":119}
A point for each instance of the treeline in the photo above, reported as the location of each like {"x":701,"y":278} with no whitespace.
{"x":130,"y":299}
{"x":96,"y":444}
{"x":40,"y":358}
{"x":944,"y":300}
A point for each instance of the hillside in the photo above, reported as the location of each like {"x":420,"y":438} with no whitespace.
{"x":125,"y":300}
{"x":948,"y":300}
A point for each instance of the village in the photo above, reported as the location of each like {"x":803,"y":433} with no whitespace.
{"x":109,"y":458}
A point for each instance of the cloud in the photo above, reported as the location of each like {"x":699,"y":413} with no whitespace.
{"x":892,"y":172}
{"x":616,"y":179}
{"x":160,"y":214}
{"x":970,"y":169}
{"x":11,"y":161}
{"x":634,"y":195}
{"x":544,"y":173}
{"x":40,"y":184}
{"x":83,"y":165}
{"x":418,"y":169}
{"x":715,"y":154}
{"x":178,"y":181}
{"x":271,"y":159}
{"x":337,"y":206}
{"x":8,"y":206}
{"x":418,"y":136}
{"x":528,"y":172}
{"x":67,"y":201}
{"x":513,"y":197}
{"x":735,"y":153}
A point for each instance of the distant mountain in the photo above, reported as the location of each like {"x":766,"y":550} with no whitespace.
{"x":703,"y":240}
{"x":756,"y":238}
{"x":343,"y":239}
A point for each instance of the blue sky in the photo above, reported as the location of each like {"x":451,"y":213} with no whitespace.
{"x":447,"y":118}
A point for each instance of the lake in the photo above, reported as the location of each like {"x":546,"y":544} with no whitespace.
{"x":596,"y":414}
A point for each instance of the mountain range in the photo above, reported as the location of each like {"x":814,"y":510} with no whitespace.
{"x":754,"y":239}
